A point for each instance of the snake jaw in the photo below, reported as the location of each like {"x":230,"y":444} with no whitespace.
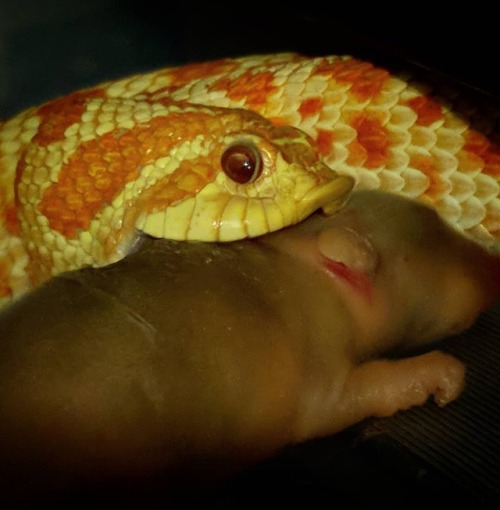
{"x":222,"y":216}
{"x":330,"y":197}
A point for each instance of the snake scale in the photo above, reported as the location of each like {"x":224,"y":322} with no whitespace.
{"x":223,"y":150}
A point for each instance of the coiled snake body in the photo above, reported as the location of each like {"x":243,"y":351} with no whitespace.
{"x":222,"y":150}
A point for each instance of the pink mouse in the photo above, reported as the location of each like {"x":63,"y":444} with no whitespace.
{"x":188,"y":360}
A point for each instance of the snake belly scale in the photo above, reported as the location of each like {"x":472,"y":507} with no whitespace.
{"x":223,"y":150}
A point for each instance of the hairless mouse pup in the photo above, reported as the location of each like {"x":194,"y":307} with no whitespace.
{"x":187,"y":358}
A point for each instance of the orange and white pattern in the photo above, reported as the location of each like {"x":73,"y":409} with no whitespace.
{"x":79,"y":176}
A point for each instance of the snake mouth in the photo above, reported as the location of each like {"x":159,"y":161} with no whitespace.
{"x":329,"y":197}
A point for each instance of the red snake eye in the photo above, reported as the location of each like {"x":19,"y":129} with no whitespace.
{"x":242,"y":162}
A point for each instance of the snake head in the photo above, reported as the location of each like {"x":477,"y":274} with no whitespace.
{"x":175,"y":171}
{"x":250,"y":178}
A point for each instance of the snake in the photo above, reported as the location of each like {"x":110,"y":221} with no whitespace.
{"x":227,"y":149}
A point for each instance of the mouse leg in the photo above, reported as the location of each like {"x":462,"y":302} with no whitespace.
{"x":383,"y":387}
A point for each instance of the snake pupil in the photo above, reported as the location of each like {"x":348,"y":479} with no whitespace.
{"x":242,"y":163}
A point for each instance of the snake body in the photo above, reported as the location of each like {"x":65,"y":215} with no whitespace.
{"x":81,"y":175}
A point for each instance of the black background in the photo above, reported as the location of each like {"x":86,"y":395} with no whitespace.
{"x":50,"y":47}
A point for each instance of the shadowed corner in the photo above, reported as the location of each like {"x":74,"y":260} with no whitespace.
{"x":492,"y":269}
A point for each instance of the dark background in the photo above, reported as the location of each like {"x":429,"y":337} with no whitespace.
{"x":50,"y":47}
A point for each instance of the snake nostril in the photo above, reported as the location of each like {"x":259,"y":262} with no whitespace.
{"x":242,"y":162}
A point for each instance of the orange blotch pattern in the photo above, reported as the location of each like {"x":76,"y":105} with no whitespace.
{"x":324,"y":141}
{"x":11,"y":220}
{"x":437,"y":186}
{"x":366,"y":81}
{"x":253,"y":89}
{"x":370,"y":148}
{"x":188,"y":179}
{"x":99,"y":169}
{"x":428,"y":110}
{"x":60,"y":114}
{"x":182,"y":75}
{"x":8,"y":213}
{"x":278,"y":121}
{"x":5,"y":290}
{"x":310,"y":107}
{"x":477,"y":145}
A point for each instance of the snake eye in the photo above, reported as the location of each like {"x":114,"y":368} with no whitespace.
{"x":242,"y":162}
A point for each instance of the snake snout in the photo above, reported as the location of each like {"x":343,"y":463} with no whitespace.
{"x":331,"y":195}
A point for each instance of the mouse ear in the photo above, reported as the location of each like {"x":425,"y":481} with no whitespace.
{"x":346,"y":246}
